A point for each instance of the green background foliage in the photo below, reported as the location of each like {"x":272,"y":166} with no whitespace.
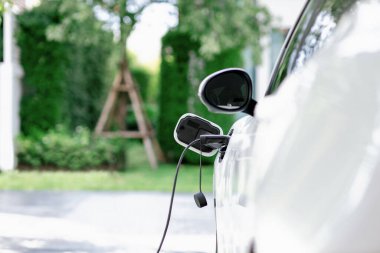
{"x":143,"y":80}
{"x":69,"y":61}
{"x":206,"y":40}
{"x":179,"y":82}
{"x":64,"y":80}
{"x":44,"y":63}
{"x":174,"y":88}
{"x":224,"y":25}
{"x":59,"y":148}
{"x":86,"y":82}
{"x":2,"y":5}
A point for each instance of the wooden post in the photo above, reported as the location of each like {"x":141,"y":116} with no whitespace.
{"x":117,"y":100}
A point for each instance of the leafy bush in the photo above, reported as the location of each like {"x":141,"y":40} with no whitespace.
{"x":76,"y":151}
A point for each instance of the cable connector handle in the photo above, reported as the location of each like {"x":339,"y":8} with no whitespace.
{"x":214,"y":141}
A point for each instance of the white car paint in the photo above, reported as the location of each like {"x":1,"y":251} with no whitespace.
{"x":231,"y":188}
{"x":307,"y":167}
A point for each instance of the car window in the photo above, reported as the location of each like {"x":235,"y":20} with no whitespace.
{"x":311,"y":33}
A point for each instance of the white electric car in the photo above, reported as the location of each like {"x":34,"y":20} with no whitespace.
{"x":301,"y":173}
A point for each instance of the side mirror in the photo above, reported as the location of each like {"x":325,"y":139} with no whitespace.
{"x":227,"y":91}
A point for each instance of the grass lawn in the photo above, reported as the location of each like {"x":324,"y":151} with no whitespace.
{"x":139,"y":179}
{"x":131,"y":180}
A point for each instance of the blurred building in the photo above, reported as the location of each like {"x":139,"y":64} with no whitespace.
{"x":285,"y":14}
{"x":10,"y":84}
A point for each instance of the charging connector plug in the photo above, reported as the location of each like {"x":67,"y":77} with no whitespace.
{"x":214,"y":141}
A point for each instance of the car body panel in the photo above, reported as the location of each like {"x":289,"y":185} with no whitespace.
{"x":231,"y":188}
{"x":318,"y":177}
{"x":302,"y":176}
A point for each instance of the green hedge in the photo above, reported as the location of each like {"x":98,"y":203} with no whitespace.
{"x":143,"y":80}
{"x":73,"y":151}
{"x":64,"y":81}
{"x":179,"y":82}
{"x":174,"y":88}
{"x":86,"y":83}
{"x":44,"y":64}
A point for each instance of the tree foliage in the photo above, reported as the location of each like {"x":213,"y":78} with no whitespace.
{"x":64,"y":77}
{"x":77,"y":24}
{"x":126,"y":13}
{"x":3,"y":4}
{"x":224,"y":25}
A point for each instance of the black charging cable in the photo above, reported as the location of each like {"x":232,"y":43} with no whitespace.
{"x":200,"y":168}
{"x":199,"y":198}
{"x":214,"y":142}
{"x":173,"y":192}
{"x":211,"y":141}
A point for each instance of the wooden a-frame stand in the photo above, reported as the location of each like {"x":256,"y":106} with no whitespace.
{"x":115,"y":107}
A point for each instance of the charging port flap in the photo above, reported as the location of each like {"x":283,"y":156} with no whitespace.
{"x":190,"y":127}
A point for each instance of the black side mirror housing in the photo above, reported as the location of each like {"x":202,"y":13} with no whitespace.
{"x":228,"y":91}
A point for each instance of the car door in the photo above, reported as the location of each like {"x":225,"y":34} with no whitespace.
{"x":230,"y":188}
{"x":317,"y":147}
{"x":235,"y":175}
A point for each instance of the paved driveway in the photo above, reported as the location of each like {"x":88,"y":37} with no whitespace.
{"x":102,"y":222}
